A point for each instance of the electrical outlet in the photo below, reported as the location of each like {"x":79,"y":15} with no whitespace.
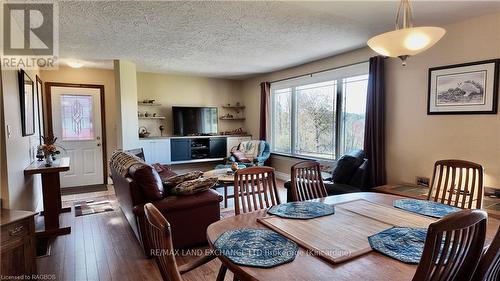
{"x":423,"y":181}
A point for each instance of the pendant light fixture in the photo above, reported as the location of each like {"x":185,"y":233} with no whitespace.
{"x":406,"y":40}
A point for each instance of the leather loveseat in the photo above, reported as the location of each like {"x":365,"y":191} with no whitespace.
{"x":188,"y":215}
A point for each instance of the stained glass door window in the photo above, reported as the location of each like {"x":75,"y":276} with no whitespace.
{"x":77,"y":117}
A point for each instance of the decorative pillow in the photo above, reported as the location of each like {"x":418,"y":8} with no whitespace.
{"x":240,"y":157}
{"x":148,"y":180}
{"x":175,"y":180}
{"x":346,"y":167}
{"x":251,"y":148}
{"x":163,"y":170}
{"x":194,"y":186}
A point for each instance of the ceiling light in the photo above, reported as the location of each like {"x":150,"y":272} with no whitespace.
{"x":407,"y":40}
{"x":75,"y":64}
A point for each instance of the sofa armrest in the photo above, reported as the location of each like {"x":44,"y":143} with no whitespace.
{"x":177,"y":203}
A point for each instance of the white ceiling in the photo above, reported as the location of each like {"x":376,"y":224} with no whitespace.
{"x":235,"y":39}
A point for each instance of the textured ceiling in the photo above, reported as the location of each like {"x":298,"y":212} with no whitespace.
{"x":234,"y":39}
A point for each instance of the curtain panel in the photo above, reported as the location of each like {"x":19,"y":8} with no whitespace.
{"x":265,"y":95}
{"x":374,"y":144}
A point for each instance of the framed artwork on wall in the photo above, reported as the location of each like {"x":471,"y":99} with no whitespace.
{"x":469,"y":88}
{"x":27,"y":98}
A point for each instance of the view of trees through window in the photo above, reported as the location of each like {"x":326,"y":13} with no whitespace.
{"x":304,"y":119}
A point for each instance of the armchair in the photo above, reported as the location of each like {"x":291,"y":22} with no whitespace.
{"x":256,"y":151}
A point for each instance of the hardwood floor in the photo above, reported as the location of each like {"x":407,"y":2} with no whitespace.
{"x":103,"y":247}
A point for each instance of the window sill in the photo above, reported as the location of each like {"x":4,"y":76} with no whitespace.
{"x":302,"y":157}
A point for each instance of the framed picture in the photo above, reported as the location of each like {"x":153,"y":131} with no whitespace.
{"x":27,"y":92}
{"x":469,"y":88}
{"x":39,"y":104}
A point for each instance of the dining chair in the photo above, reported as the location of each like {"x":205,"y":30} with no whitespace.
{"x":255,"y":189}
{"x":457,"y":183}
{"x":489,"y":265}
{"x":453,"y":247}
{"x":307,"y":182}
{"x":160,"y":237}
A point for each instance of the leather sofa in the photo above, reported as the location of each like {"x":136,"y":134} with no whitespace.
{"x":355,"y":182}
{"x":188,"y":215}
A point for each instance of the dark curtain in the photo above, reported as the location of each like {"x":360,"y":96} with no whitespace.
{"x":265,"y":94}
{"x":375,"y":123}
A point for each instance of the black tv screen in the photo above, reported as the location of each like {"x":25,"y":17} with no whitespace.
{"x":194,"y":120}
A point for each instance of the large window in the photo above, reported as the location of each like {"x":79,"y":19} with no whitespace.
{"x":319,"y":119}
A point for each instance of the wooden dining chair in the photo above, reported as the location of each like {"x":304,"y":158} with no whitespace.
{"x":453,"y":247}
{"x":255,"y":189}
{"x":160,"y":238}
{"x":307,"y":182}
{"x":489,"y":266}
{"x":457,"y":183}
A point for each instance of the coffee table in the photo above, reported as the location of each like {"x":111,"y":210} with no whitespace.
{"x":224,"y":178}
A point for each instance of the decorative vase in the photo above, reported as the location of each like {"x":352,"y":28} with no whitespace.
{"x":234,"y":166}
{"x":49,"y":161}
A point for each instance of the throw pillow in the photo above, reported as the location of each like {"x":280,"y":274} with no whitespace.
{"x":175,"y":180}
{"x":240,"y":157}
{"x":346,"y":166}
{"x":194,"y":186}
{"x":148,"y":180}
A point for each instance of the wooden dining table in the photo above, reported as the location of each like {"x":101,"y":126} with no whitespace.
{"x":306,"y":266}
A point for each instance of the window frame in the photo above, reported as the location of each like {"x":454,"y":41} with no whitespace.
{"x":338,"y":124}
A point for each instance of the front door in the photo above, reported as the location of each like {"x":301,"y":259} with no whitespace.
{"x":76,"y":122}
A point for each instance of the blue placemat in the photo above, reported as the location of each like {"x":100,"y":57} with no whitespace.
{"x":405,"y":244}
{"x":424,"y":207}
{"x":302,"y":210}
{"x":256,"y":247}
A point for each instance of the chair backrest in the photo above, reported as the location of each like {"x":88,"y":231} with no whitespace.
{"x":160,"y":239}
{"x":254,"y":189}
{"x":453,"y":247}
{"x":457,"y":183}
{"x":307,"y":182}
{"x":489,"y":266}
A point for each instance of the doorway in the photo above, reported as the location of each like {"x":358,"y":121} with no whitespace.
{"x":76,"y":116}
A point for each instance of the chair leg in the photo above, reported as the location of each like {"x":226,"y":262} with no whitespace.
{"x":222,"y":273}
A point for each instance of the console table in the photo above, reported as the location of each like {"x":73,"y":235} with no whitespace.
{"x":51,"y":189}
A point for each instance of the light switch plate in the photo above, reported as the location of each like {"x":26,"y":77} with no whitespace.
{"x":9,"y":131}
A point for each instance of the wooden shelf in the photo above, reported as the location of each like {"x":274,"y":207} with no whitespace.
{"x":157,"y":117}
{"x":148,"y":104}
{"x":234,"y":107}
{"x":222,"y":118}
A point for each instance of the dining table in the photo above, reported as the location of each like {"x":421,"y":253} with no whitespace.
{"x":307,"y":265}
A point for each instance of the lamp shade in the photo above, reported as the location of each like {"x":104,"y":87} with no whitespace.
{"x":406,"y":41}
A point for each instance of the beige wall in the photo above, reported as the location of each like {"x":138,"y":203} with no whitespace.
{"x":18,"y":191}
{"x":91,"y":76}
{"x":416,"y":140}
{"x":170,"y":90}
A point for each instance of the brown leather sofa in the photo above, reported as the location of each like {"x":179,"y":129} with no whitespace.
{"x":189,"y":216}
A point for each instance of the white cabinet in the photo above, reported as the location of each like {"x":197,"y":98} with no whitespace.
{"x":234,"y":141}
{"x":156,"y":150}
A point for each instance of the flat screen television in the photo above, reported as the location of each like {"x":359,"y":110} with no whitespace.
{"x":194,"y":120}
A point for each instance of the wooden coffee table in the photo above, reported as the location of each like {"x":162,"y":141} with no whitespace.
{"x":225,"y":179}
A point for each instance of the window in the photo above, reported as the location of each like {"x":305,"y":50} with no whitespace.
{"x":319,"y":116}
{"x":76,"y":116}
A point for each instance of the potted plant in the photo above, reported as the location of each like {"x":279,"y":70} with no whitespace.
{"x":49,"y":149}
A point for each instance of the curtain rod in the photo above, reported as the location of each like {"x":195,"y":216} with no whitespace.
{"x":316,"y":72}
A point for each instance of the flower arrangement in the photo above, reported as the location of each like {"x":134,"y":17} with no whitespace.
{"x":49,"y":149}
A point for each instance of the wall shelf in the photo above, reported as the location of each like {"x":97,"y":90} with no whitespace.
{"x":223,"y":118}
{"x":148,"y":104}
{"x":157,"y":117}
{"x":234,"y":107}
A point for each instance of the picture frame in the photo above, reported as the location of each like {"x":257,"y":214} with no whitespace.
{"x":468,"y":88}
{"x":39,"y":102}
{"x":27,"y":98}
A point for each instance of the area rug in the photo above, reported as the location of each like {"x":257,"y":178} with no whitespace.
{"x":84,"y":208}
